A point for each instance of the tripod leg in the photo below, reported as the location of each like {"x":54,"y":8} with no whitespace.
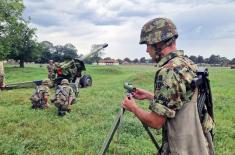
{"x":151,"y":136}
{"x":111,"y":133}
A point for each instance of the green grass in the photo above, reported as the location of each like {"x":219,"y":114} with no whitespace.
{"x":26,"y":131}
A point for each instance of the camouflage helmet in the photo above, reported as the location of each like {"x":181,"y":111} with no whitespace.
{"x":46,"y":82}
{"x":64,"y":81}
{"x":158,"y":30}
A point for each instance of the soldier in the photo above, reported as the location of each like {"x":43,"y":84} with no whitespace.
{"x":173,"y":103}
{"x":39,"y":98}
{"x":63,"y":98}
{"x":51,"y":68}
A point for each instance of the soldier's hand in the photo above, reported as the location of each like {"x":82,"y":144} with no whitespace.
{"x":129,"y":104}
{"x":142,"y":94}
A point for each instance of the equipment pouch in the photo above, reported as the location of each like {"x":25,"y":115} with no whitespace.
{"x":207,"y":124}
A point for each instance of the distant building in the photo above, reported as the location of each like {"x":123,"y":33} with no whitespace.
{"x":108,"y":62}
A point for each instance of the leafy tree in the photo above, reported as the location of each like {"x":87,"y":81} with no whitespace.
{"x":24,"y":43}
{"x":136,"y":60}
{"x":10,"y":16}
{"x":120,"y":61}
{"x":232,"y":61}
{"x":224,"y":61}
{"x":214,"y":59}
{"x":47,"y":50}
{"x":127,"y":60}
{"x":142,"y":60}
{"x":57,"y":53}
{"x":200,"y":59}
{"x":193,"y":58}
{"x":70,"y":51}
{"x":206,"y":60}
{"x":94,"y":58}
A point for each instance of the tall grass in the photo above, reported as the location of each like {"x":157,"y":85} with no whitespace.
{"x":27,"y":131}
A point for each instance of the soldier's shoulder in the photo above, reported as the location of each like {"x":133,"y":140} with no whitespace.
{"x":180,"y":63}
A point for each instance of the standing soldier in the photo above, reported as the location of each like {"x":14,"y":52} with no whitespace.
{"x":39,"y":98}
{"x":51,"y":68}
{"x":63,"y":98}
{"x":1,"y":75}
{"x":174,"y":103}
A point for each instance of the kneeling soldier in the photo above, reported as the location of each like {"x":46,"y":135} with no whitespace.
{"x":39,"y":98}
{"x":64,"y":97}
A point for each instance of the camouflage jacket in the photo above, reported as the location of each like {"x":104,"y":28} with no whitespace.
{"x":50,"y":68}
{"x":172,"y":88}
{"x":68,"y":90}
{"x":40,"y":92}
{"x":63,"y":93}
{"x":172,"y":84}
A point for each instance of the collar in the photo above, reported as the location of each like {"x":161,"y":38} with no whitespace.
{"x":169,"y":56}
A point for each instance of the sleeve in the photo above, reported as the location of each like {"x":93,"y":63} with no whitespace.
{"x":169,"y":92}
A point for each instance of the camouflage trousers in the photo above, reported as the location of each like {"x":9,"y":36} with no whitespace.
{"x":62,"y":106}
{"x":39,"y":105}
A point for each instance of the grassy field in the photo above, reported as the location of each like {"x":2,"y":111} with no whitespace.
{"x":26,"y":131}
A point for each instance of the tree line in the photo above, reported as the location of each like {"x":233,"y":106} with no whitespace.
{"x":213,"y":59}
{"x":18,"y":41}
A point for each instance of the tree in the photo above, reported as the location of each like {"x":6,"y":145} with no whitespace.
{"x":127,"y":60}
{"x":206,"y":60}
{"x":193,"y":58}
{"x":70,"y":51}
{"x":142,"y":60}
{"x":120,"y":61}
{"x":232,"y":61}
{"x":224,"y":61}
{"x":200,"y":59}
{"x":136,"y":60}
{"x":47,"y":50}
{"x":94,"y":58}
{"x":214,"y":59}
{"x":10,"y":16}
{"x":24,"y":43}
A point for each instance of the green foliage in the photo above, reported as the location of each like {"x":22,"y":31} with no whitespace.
{"x":16,"y":37}
{"x":10,"y":14}
{"x":57,"y":53}
{"x":27,"y":131}
{"x":233,"y":61}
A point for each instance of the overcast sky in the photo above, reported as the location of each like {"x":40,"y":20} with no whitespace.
{"x":205,"y":26}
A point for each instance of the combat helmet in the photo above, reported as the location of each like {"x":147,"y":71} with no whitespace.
{"x":158,"y":30}
{"x":46,"y":82}
{"x":64,"y":81}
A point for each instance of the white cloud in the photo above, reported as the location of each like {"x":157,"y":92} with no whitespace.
{"x":202,"y":25}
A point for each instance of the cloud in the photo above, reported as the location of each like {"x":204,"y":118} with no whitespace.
{"x":203,"y":25}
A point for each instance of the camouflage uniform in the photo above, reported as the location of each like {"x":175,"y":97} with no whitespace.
{"x":39,"y":98}
{"x":63,"y":98}
{"x":174,"y":98}
{"x":172,"y":83}
{"x":51,"y":68}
